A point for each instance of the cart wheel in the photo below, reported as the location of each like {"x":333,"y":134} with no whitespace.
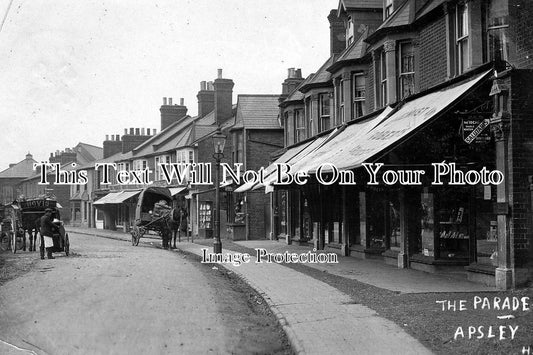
{"x":14,"y":242}
{"x":67,"y":245}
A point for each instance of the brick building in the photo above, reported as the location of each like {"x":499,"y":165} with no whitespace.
{"x":450,"y":77}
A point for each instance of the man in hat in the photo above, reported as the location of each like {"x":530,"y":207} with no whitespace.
{"x":47,"y":231}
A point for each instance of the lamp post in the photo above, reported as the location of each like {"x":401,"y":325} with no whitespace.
{"x":219,"y":140}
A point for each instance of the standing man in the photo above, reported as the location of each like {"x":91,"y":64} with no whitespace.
{"x":47,"y":231}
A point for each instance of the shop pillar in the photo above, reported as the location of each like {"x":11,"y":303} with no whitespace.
{"x":362,"y":219}
{"x":403,"y":262}
{"x":500,"y":127}
{"x":345,"y":247}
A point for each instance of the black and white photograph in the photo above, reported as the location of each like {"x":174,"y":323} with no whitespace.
{"x":266,"y":177}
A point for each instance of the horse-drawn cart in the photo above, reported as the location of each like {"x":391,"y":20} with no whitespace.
{"x":23,"y":217}
{"x":153,"y":213}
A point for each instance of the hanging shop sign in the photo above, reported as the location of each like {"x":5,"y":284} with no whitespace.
{"x":474,"y":129}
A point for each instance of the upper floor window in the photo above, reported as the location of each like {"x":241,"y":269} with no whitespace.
{"x":358,"y":95}
{"x":238,"y":148}
{"x":406,"y":74}
{"x":350,"y":32}
{"x":461,"y":37}
{"x":161,"y":160}
{"x":324,"y":122}
{"x":299,"y":120}
{"x":308,"y":116}
{"x":381,"y":79}
{"x":340,"y":102}
{"x":140,"y":164}
{"x":389,"y":8}
{"x":497,"y":27}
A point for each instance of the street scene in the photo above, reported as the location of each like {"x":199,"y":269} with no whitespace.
{"x":292,"y":177}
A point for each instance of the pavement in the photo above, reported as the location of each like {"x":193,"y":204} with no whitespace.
{"x":307,"y":307}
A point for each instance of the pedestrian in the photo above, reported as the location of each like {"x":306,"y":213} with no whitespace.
{"x":47,"y":232}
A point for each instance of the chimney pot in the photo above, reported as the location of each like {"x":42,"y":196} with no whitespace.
{"x":182,"y":101}
{"x":137,"y":131}
{"x":164,"y":101}
{"x":125,"y":131}
{"x":219,"y":76}
{"x":155,"y":131}
{"x":148,"y":131}
{"x":203,"y":85}
{"x":299,"y":73}
{"x":170,"y":101}
{"x":142,"y":131}
{"x":117,"y":137}
{"x":132,"y":130}
{"x":107,"y":137}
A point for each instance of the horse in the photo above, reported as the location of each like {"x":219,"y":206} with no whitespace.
{"x":178,"y":223}
{"x":32,"y":228}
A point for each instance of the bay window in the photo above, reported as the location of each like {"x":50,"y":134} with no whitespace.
{"x":324,"y":122}
{"x":299,"y":120}
{"x":461,"y":30}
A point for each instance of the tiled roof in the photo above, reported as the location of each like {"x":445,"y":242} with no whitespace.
{"x":322,"y":76}
{"x":355,"y":50}
{"x":111,"y":159}
{"x":89,"y":152}
{"x":429,"y":6}
{"x":361,"y":4}
{"x":160,"y":142}
{"x":22,"y":169}
{"x":404,"y":15}
{"x":258,"y":111}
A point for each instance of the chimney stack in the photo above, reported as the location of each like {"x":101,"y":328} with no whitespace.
{"x":223,"y":98}
{"x":294,"y":78}
{"x":111,"y":146}
{"x":206,"y":99}
{"x":337,"y":33}
{"x":172,"y":113}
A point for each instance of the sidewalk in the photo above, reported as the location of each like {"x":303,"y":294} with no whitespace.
{"x":306,"y":308}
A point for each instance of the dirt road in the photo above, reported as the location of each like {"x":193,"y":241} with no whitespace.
{"x":111,"y":298}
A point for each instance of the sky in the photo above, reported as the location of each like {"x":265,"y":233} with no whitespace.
{"x":74,"y":71}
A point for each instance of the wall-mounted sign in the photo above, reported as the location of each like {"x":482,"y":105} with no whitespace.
{"x":474,"y":129}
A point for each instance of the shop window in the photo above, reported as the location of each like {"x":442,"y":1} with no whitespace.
{"x":497,"y":30}
{"x":359,"y":95}
{"x":205,"y":214}
{"x":461,"y":36}
{"x":324,"y":122}
{"x":299,"y":120}
{"x":389,"y":8}
{"x":394,"y":224}
{"x":453,"y":223}
{"x":406,"y":75}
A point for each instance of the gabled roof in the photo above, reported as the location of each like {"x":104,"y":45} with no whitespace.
{"x":359,"y":4}
{"x":86,"y":153}
{"x":64,"y":167}
{"x":402,"y":16}
{"x":429,"y":6}
{"x":22,"y":169}
{"x":355,"y":51}
{"x":321,"y":78}
{"x":257,"y":112}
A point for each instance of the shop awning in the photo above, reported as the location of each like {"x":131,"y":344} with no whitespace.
{"x":116,"y":197}
{"x":359,"y":143}
{"x":288,"y":155}
{"x":176,"y":190}
{"x":302,"y":155}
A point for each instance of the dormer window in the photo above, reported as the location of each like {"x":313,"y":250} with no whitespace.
{"x":389,"y":8}
{"x":350,"y":32}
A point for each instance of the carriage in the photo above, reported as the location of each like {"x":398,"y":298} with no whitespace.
{"x":23,"y":217}
{"x":153,"y":213}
